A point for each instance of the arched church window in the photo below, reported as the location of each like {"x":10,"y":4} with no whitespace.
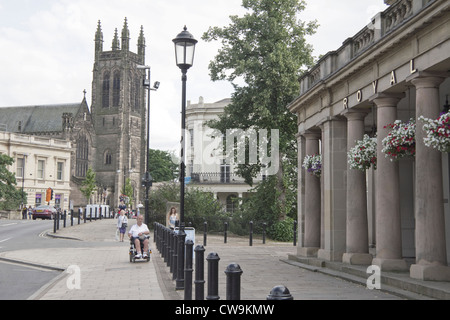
{"x":82,"y":156}
{"x":105,"y":92}
{"x":116,"y":89}
{"x":108,"y":157}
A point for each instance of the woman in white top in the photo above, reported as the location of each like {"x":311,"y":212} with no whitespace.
{"x":122,"y":223}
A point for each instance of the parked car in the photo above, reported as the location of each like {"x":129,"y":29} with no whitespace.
{"x":44,"y":212}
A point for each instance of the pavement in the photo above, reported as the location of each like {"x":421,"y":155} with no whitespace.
{"x":105,"y":273}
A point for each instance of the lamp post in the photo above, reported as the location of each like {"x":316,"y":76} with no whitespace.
{"x":147,"y":180}
{"x":184,"y":55}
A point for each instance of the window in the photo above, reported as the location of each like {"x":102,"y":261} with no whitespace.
{"x":137,"y":96}
{"x":60,"y":171}
{"x":82,"y":156}
{"x":41,"y":169}
{"x":108,"y":157}
{"x":20,"y":168}
{"x":105,"y":93}
{"x":224,"y":172}
{"x":191,"y":135}
{"x":232,"y":201}
{"x":116,"y":89}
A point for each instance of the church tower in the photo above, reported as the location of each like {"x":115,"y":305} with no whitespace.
{"x":119,"y":115}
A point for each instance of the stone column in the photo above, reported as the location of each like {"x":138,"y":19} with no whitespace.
{"x":301,"y":191}
{"x":357,"y":235}
{"x":387,"y":202}
{"x":311,"y":235}
{"x":431,"y":257}
{"x":334,"y":170}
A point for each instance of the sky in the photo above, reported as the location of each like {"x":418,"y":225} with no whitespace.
{"x":47,"y":48}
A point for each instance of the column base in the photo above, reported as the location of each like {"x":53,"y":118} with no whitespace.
{"x":430,"y":272}
{"x":307,"y":251}
{"x":390,"y":264}
{"x":357,"y":258}
{"x":330,"y":255}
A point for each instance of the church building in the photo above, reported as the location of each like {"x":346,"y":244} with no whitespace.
{"x":109,"y":136}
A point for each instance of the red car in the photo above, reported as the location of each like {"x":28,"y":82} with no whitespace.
{"x":44,"y":212}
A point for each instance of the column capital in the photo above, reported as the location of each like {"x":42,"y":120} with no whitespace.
{"x":356,"y":114}
{"x":426,"y":79}
{"x":384,"y":99}
{"x":311,"y":135}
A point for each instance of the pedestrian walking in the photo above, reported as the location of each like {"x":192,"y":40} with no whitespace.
{"x":122,"y":224}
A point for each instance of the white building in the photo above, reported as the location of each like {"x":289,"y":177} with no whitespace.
{"x":39,"y":163}
{"x":206,"y":164}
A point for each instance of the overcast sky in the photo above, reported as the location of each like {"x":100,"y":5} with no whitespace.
{"x":47,"y":48}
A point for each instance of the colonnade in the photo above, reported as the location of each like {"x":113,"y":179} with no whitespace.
{"x":333,"y":208}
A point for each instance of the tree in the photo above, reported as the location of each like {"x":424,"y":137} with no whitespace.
{"x":161,"y":166}
{"x":89,"y":184}
{"x":10,"y":197}
{"x":265,"y":50}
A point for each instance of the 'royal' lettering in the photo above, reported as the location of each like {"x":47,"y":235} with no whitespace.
{"x":393,"y":78}
{"x":411,"y":67}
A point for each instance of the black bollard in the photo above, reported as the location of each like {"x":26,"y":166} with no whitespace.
{"x":251,"y":233}
{"x":213,"y":276}
{"x":264,"y":232}
{"x":100,"y":213}
{"x":164,"y":244}
{"x":179,"y":284}
{"x":233,"y":273}
{"x":90,"y":214}
{"x":175,"y":256}
{"x":225,"y":233}
{"x":54,"y":224}
{"x":154,"y":232}
{"x":57,"y":220}
{"x":173,"y":252}
{"x":295,"y":233}
{"x":65,"y":214}
{"x":205,"y":233}
{"x":188,"y":270}
{"x":199,"y":273}
{"x":280,"y":293}
{"x":79,"y":215}
{"x":71,"y":217}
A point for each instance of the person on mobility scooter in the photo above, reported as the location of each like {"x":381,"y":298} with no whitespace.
{"x":139,"y":239}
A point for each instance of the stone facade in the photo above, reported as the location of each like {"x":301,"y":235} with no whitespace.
{"x":110,"y":136}
{"x":397,"y":67}
{"x":39,"y":163}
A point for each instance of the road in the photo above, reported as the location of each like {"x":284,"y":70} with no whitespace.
{"x":19,"y":282}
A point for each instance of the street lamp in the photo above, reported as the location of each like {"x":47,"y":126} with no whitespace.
{"x":147,"y":180}
{"x":184,"y":55}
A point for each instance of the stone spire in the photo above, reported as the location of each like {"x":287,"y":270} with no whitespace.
{"x":125,"y":36}
{"x":141,"y":45}
{"x":115,"y":42}
{"x":98,"y":39}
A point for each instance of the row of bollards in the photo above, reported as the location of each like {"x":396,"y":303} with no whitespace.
{"x":168,"y":245}
{"x":225,"y":233}
{"x":63,"y":216}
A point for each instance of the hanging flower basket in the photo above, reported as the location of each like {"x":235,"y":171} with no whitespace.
{"x":364,"y":154}
{"x":401,"y":140}
{"x":438,"y":132}
{"x":313,"y":164}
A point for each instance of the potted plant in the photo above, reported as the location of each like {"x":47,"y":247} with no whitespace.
{"x":313,"y":164}
{"x":401,"y":140}
{"x":364,"y":154}
{"x":438,"y":132}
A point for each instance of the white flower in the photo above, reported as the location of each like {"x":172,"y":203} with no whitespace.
{"x":438,"y":132}
{"x":401,"y":140}
{"x":313,"y":164}
{"x":364,"y":154}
